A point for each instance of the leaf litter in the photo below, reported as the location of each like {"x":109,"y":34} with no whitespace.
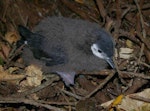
{"x":128,"y":22}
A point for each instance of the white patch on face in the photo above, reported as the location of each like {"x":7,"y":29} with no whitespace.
{"x":26,"y":42}
{"x":96,"y":51}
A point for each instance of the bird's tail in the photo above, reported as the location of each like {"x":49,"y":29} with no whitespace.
{"x":24,"y":32}
{"x":25,"y":35}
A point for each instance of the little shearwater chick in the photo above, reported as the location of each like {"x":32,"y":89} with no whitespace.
{"x":66,"y":46}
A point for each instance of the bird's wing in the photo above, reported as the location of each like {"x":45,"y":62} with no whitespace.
{"x":39,"y":46}
{"x":57,"y":56}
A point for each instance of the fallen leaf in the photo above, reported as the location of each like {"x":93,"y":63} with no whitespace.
{"x":125,"y":53}
{"x":116,"y":102}
{"x":33,"y":76}
{"x":6,"y":76}
{"x":129,"y":104}
{"x":4,"y":51}
{"x":12,"y":37}
{"x":129,"y":43}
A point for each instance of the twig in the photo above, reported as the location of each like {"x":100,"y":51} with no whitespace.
{"x":27,"y":101}
{"x":73,"y":7}
{"x":24,"y":21}
{"x":136,"y":85}
{"x":141,"y":53}
{"x":143,"y":63}
{"x":125,"y":12}
{"x":15,"y":52}
{"x":101,"y":9}
{"x":104,"y":72}
{"x":136,"y":75}
{"x":65,"y":98}
{"x":141,"y":18}
{"x":100,"y":86}
{"x":143,"y":29}
{"x":118,"y":14}
{"x":123,"y":74}
{"x":144,"y":40}
{"x":118,"y":71}
{"x":129,"y":36}
{"x":71,"y":94}
{"x":36,"y":89}
{"x":140,"y":98}
{"x":6,"y":8}
{"x":57,"y":103}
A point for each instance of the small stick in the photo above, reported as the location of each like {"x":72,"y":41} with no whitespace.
{"x":100,"y":86}
{"x":36,"y":89}
{"x":27,"y":101}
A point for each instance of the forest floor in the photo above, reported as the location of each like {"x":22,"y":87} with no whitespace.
{"x":129,"y":23}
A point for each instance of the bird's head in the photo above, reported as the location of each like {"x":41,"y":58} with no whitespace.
{"x":104,"y":47}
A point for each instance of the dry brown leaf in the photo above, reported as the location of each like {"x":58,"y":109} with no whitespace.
{"x":4,"y":51}
{"x":129,"y":104}
{"x":129,"y":43}
{"x":34,"y":76}
{"x":125,"y":53}
{"x":12,"y":37}
{"x":6,"y":76}
{"x":116,"y":102}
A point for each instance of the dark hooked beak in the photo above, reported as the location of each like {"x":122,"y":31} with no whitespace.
{"x":111,"y":63}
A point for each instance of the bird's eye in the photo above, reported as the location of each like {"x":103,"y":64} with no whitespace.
{"x":99,"y":51}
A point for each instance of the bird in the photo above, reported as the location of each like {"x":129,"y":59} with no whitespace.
{"x":66,"y":46}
